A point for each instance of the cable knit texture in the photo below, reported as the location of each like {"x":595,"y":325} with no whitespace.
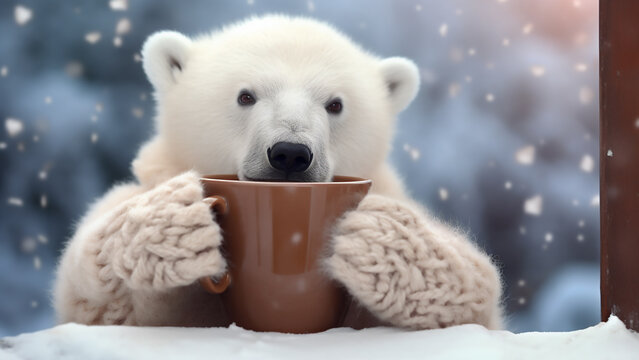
{"x":136,"y":253}
{"x":160,"y":239}
{"x":412,"y":271}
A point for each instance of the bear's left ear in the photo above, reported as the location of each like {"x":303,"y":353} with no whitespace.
{"x":402,"y":80}
{"x":164,"y":55}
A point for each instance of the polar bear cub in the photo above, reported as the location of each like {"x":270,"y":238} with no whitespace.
{"x":270,"y":98}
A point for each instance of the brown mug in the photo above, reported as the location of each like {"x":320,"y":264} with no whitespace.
{"x":275,"y":237}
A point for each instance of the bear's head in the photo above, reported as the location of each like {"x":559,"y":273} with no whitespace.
{"x":276,"y":98}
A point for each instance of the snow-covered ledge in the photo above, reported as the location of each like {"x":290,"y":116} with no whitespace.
{"x":609,"y":340}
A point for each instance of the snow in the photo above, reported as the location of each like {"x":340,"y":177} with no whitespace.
{"x":118,"y":5}
{"x":15,"y":201}
{"x":527,"y":29}
{"x":4,"y":71}
{"x":525,"y":155}
{"x":123,"y":26}
{"x":586,"y":95}
{"x":537,"y":71}
{"x":609,"y":340}
{"x":581,"y":67}
{"x":93,"y":37}
{"x":22,"y":15}
{"x":609,"y":153}
{"x":13,"y":126}
{"x":533,"y":206}
{"x":443,"y":30}
{"x":587,"y":163}
{"x":443,"y":194}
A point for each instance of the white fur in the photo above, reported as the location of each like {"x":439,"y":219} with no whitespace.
{"x":140,"y":271}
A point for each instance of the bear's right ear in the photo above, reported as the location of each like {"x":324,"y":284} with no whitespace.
{"x":164,"y":55}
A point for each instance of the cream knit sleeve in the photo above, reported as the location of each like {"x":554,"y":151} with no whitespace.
{"x":411,"y":270}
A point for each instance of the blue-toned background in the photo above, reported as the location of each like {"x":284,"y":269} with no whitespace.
{"x":501,"y":140}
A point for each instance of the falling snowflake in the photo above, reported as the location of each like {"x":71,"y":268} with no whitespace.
{"x":521,"y":283}
{"x":468,"y":79}
{"x":443,"y":194}
{"x":533,"y":206}
{"x":123,"y":26}
{"x":92,"y":37}
{"x":3,"y":145}
{"x":580,"y":237}
{"x":137,"y":112}
{"x":453,"y":89}
{"x":581,"y":223}
{"x":587,"y":163}
{"x":118,"y":5}
{"x":508,"y":185}
{"x":609,"y":153}
{"x":443,"y":30}
{"x":585,"y":95}
{"x":505,"y":42}
{"x":34,"y":304}
{"x":42,"y":239}
{"x":99,"y":107}
{"x":137,"y":58}
{"x":22,"y":15}
{"x":418,"y":7}
{"x":48,"y":100}
{"x":15,"y":201}
{"x":594,"y":201}
{"x":94,"y":138}
{"x":527,"y":29}
{"x":43,"y":201}
{"x":37,"y":263}
{"x":28,"y":245}
{"x":581,"y":67}
{"x":74,"y":69}
{"x":4,"y":71}
{"x":296,"y":238}
{"x":94,"y":118}
{"x":472,"y":52}
{"x":576,"y":3}
{"x":490,"y":97}
{"x":310,"y":6}
{"x":575,"y":202}
{"x":117,"y":41}
{"x":13,"y":126}
{"x":548,"y":237}
{"x":522,"y":301}
{"x":538,"y":71}
{"x":412,"y":152}
{"x":637,"y":123}
{"x":522,"y":230}
{"x":525,"y":155}
{"x":42,"y":175}
{"x":250,"y":2}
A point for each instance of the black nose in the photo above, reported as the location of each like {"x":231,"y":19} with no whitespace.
{"x":289,"y":157}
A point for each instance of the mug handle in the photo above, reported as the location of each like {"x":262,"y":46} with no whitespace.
{"x":220,"y":206}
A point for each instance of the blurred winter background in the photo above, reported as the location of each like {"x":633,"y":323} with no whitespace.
{"x":502,"y":139}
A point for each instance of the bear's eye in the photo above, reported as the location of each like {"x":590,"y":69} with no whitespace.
{"x":334,"y":107}
{"x":245,"y":98}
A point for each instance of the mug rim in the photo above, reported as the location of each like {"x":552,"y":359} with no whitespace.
{"x":232,"y":179}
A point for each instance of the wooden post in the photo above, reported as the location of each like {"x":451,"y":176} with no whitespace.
{"x":619,"y":159}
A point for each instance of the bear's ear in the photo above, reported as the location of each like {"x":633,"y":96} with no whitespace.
{"x":164,"y":55}
{"x":402,"y":79}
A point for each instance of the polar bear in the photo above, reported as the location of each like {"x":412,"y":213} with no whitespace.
{"x":226,"y":103}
